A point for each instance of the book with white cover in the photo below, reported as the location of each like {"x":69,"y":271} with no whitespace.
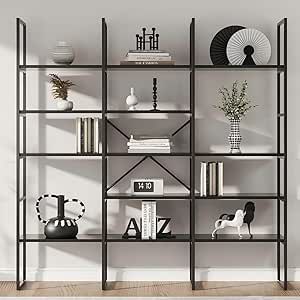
{"x":85,"y":135}
{"x":146,"y":220}
{"x":150,"y":150}
{"x":96,"y":135}
{"x":203,"y":178}
{"x":147,"y":58}
{"x":220,"y":183}
{"x":148,"y":52}
{"x":79,"y":135}
{"x":153,"y":220}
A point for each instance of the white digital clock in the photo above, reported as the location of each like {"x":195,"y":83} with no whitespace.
{"x":147,"y":186}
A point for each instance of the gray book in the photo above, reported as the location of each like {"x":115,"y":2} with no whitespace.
{"x":89,"y":135}
{"x":203,"y":179}
{"x":212,"y":179}
{"x":220,"y":175}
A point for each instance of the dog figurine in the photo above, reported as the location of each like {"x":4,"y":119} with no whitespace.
{"x":237,"y":220}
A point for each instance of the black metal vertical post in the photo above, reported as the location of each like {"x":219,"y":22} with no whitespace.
{"x":104,"y":153}
{"x":18,"y":154}
{"x":285,"y":152}
{"x":24,"y":151}
{"x":278,"y":151}
{"x":192,"y":153}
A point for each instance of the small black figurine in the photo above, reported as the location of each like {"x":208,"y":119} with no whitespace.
{"x":155,"y":95}
{"x":141,"y":40}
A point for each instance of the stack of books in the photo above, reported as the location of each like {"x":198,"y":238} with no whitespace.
{"x":88,"y":135}
{"x":148,"y":220}
{"x":147,"y":57}
{"x":149,"y":144}
{"x":211,"y":178}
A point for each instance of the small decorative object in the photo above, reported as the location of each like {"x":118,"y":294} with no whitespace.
{"x":155,"y":95}
{"x":141,"y":40}
{"x":219,"y":43}
{"x":163,"y":228}
{"x":248,"y":47}
{"x":235,"y":106}
{"x":60,"y":89}
{"x":60,"y":227}
{"x":63,"y":53}
{"x":132,"y":230}
{"x":236,"y":220}
{"x":147,"y":186}
{"x":131,"y":100}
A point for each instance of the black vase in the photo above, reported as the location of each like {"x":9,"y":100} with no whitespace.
{"x":61,"y":227}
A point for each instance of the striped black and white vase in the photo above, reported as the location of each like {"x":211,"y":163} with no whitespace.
{"x":235,"y":137}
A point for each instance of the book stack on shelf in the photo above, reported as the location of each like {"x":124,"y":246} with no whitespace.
{"x":211,"y":178}
{"x":148,"y":220}
{"x":147,"y":57}
{"x":149,"y":144}
{"x":88,"y":135}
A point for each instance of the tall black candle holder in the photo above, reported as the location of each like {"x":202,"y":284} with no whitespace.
{"x":154,"y":95}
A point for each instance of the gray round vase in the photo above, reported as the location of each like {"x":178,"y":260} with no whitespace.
{"x":63,"y":53}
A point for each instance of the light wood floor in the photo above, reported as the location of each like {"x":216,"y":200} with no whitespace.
{"x":155,"y":289}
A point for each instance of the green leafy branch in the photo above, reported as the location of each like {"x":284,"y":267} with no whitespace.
{"x":235,"y":104}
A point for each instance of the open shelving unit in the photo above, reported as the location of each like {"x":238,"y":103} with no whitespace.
{"x":280,"y":196}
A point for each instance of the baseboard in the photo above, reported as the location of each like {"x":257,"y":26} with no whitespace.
{"x":156,"y":274}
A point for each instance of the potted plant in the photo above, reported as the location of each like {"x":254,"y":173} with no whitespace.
{"x":235,"y":105}
{"x":60,"y":89}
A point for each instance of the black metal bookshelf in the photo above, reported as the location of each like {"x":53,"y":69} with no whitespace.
{"x":190,"y":195}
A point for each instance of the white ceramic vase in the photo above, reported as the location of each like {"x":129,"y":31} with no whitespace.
{"x":64,"y":104}
{"x":131,"y":100}
{"x":63,"y":53}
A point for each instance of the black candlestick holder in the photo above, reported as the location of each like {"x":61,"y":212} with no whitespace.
{"x":154,"y":95}
{"x":141,"y":40}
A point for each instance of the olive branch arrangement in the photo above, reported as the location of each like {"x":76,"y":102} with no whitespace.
{"x":60,"y":87}
{"x":235,"y":104}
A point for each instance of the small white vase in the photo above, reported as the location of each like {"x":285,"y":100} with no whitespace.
{"x":64,"y":104}
{"x":131,"y":100}
{"x":63,"y":53}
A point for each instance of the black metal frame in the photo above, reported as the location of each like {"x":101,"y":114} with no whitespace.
{"x":192,"y":237}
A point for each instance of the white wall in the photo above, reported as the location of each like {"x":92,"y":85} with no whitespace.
{"x":78,"y":22}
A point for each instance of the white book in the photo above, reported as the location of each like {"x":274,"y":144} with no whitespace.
{"x":148,"y":52}
{"x":85,"y":135}
{"x":167,"y":150}
{"x":79,"y":135}
{"x":203,"y":179}
{"x":96,"y":135}
{"x":153,"y":220}
{"x":129,"y":144}
{"x":146,"y":217}
{"x":220,"y":176}
{"x":148,"y":58}
{"x":150,"y":147}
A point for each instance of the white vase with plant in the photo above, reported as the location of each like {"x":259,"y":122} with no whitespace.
{"x":60,"y":90}
{"x":235,"y":105}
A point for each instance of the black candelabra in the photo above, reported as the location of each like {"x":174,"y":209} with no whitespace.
{"x":155,"y":94}
{"x":141,"y":41}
